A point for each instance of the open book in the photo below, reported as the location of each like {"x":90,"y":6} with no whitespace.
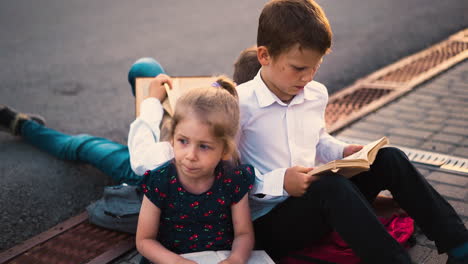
{"x":355,"y":163}
{"x":179,"y":86}
{"x":214,"y":257}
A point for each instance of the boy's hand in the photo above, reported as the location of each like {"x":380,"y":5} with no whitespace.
{"x":296,"y":180}
{"x":351,"y":149}
{"x":157,"y":89}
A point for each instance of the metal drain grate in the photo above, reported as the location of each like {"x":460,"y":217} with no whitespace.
{"x":383,"y":86}
{"x":425,"y":63}
{"x":352,"y":102}
{"x":426,"y":158}
{"x":79,"y":244}
{"x":445,"y":162}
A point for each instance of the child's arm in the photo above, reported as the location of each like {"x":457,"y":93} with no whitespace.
{"x":243,"y":233}
{"x":146,"y":150}
{"x":329,"y":148}
{"x":146,"y":243}
{"x":157,"y":89}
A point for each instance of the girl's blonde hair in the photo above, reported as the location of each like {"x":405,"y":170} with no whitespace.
{"x":216,"y":106}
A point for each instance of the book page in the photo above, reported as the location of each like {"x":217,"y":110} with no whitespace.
{"x":205,"y":257}
{"x":355,"y":163}
{"x":183,"y":84}
{"x":363,"y":153}
{"x":257,"y":257}
{"x":141,"y":92}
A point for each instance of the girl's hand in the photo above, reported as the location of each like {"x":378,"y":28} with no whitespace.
{"x":157,"y":89}
{"x":351,"y":149}
{"x":185,"y":261}
{"x":230,"y":261}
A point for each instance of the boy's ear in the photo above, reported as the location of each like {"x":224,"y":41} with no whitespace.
{"x":263,"y":55}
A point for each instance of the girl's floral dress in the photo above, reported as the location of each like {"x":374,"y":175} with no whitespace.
{"x":197,"y":222}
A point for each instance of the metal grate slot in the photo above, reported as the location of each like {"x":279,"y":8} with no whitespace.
{"x":425,"y":157}
{"x":460,"y":165}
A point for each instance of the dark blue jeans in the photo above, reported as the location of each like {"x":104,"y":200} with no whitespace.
{"x":336,"y":203}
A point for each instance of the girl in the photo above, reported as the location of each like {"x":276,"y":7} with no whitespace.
{"x":198,"y":200}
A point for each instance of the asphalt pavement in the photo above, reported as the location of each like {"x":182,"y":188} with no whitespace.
{"x":68,"y":61}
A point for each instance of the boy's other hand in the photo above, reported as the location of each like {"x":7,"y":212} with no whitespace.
{"x":157,"y":89}
{"x":351,"y":149}
{"x":297,"y":181}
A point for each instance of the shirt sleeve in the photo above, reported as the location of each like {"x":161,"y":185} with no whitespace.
{"x":146,"y":152}
{"x":329,"y":148}
{"x":270,"y":184}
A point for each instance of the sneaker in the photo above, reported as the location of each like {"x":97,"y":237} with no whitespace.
{"x":10,"y":119}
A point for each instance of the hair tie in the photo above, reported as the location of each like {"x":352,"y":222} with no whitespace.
{"x":215,"y":84}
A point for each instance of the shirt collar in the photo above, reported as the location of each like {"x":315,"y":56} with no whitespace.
{"x":265,"y":97}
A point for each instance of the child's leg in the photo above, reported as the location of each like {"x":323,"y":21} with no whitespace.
{"x":110,"y":157}
{"x":331,"y":202}
{"x":438,"y":220}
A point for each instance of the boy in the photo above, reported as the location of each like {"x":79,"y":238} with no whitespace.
{"x":282,"y":132}
{"x":246,"y":66}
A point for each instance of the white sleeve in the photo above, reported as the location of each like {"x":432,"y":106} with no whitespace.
{"x":146,"y":152}
{"x":329,"y":148}
{"x":270,"y":184}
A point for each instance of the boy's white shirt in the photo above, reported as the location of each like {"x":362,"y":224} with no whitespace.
{"x":273,"y":136}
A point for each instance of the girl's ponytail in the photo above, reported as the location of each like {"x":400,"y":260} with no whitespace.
{"x":227,"y":84}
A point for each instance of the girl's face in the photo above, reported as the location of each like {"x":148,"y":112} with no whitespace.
{"x":196,"y":150}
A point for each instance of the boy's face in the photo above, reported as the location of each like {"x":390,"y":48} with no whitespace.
{"x":288,"y":73}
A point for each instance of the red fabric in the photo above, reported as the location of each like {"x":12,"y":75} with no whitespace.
{"x":333,"y":249}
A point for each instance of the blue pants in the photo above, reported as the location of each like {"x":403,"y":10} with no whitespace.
{"x":110,"y":157}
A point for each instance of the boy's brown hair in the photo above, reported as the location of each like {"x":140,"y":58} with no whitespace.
{"x":284,"y":23}
{"x":246,"y":66}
